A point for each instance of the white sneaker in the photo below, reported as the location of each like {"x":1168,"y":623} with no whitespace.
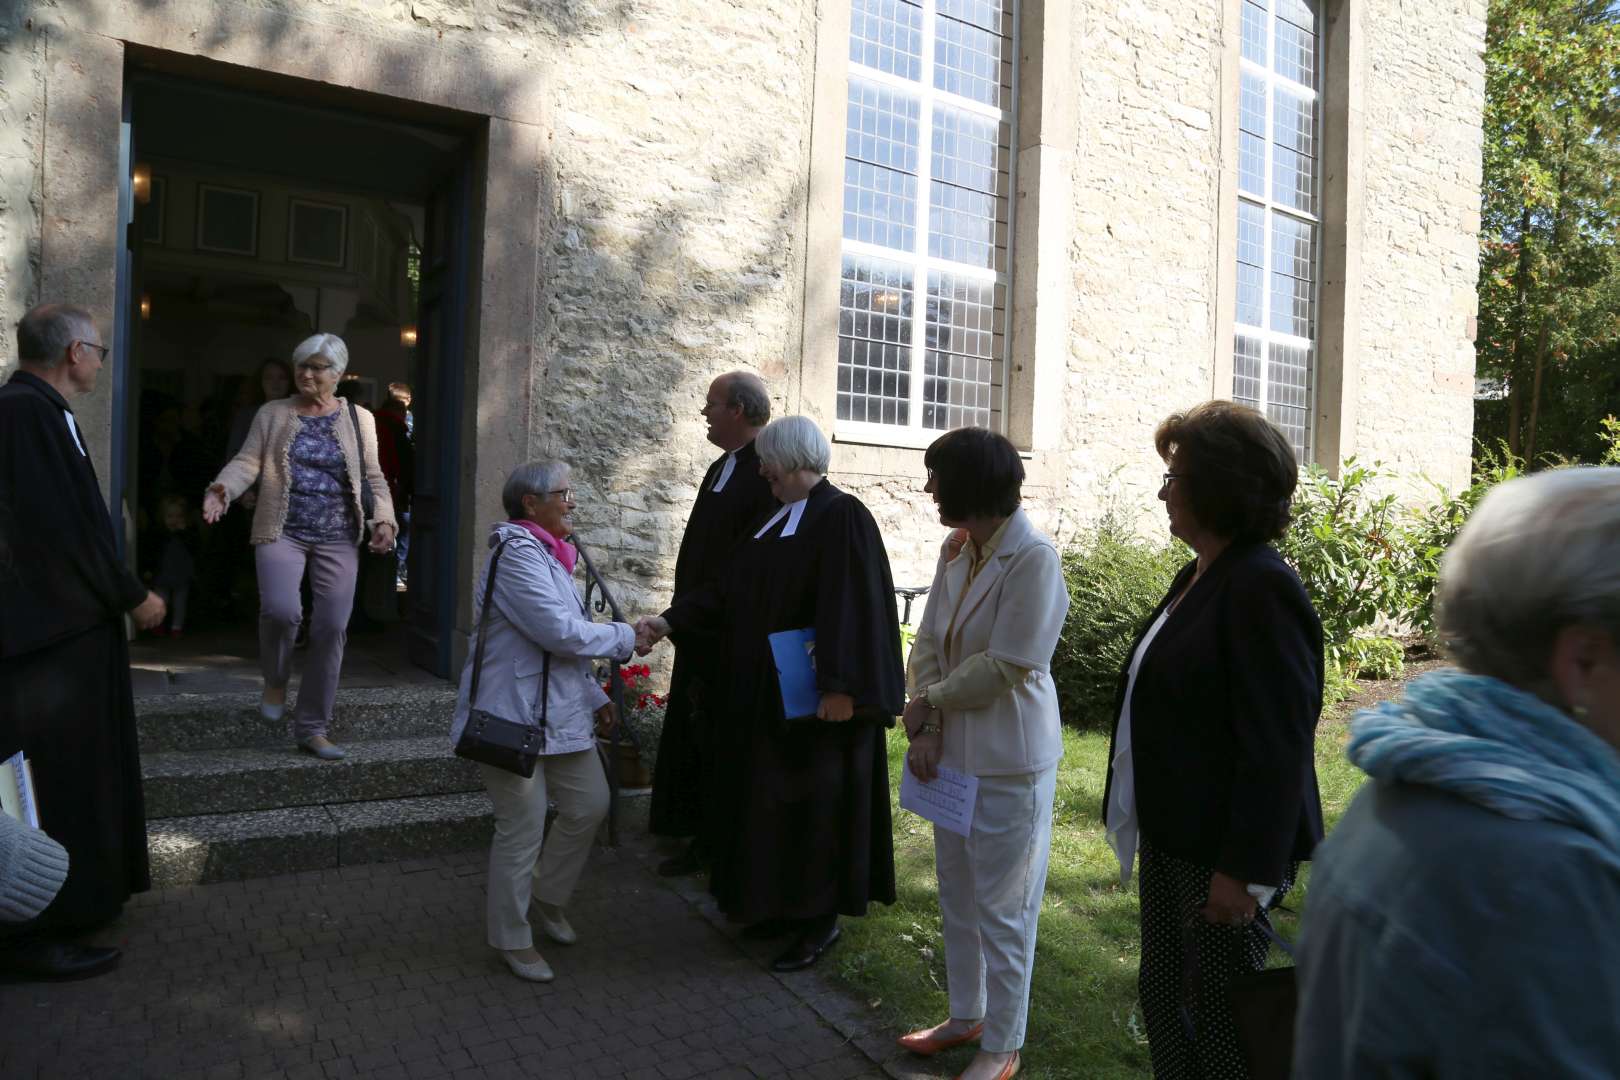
{"x":554,"y":924}
{"x":537,"y":971}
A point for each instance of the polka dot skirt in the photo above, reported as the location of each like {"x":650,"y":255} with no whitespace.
{"x":1186,"y":967}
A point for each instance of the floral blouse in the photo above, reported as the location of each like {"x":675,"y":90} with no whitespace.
{"x":320,"y":509}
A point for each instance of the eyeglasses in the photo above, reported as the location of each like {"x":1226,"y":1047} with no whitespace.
{"x":566,"y":493}
{"x":101,"y":350}
{"x":1169,"y":476}
{"x":316,"y":368}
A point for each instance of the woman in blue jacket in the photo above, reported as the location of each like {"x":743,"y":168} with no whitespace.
{"x":1462,"y":916}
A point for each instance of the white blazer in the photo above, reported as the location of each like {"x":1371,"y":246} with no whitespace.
{"x":1013,"y":611}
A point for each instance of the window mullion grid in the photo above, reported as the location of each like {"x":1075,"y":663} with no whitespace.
{"x":1267,"y":217}
{"x":925,"y":202}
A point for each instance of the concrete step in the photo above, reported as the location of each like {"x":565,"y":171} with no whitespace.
{"x":176,"y":722}
{"x":193,"y":782}
{"x":207,"y":848}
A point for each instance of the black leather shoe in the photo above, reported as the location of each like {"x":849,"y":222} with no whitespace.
{"x":807,"y":950}
{"x":56,"y":960}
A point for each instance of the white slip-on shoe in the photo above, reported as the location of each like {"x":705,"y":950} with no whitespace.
{"x":554,"y":924}
{"x":272,"y":712}
{"x":537,"y":971}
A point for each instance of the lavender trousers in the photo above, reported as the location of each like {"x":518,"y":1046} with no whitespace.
{"x":332,"y":572}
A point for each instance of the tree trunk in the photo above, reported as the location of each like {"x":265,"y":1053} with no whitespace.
{"x":1535,"y":394}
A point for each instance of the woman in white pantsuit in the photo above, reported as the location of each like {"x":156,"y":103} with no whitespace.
{"x":537,"y":670}
{"x":983,"y":703}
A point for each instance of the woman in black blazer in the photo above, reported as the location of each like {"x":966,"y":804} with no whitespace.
{"x":1211,"y":780}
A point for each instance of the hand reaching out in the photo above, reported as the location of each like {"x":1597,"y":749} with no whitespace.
{"x":214,"y":504}
{"x":650,"y":630}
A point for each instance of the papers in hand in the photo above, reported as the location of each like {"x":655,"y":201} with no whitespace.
{"x":947,"y":802}
{"x":794,"y":652}
{"x":17,"y":790}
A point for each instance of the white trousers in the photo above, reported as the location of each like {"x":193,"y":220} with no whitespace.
{"x":990,"y":888}
{"x":518,"y":868}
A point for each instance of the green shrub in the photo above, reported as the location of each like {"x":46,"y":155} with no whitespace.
{"x":1432,"y":528}
{"x":1611,"y":439}
{"x":1376,"y":657}
{"x":1115,"y":580}
{"x":1350,"y":549}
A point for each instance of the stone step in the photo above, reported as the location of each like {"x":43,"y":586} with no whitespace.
{"x":208,"y":848}
{"x":196,"y":782}
{"x":175,"y":722}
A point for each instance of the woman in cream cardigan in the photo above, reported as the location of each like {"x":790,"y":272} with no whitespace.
{"x":309,"y":455}
{"x":983,"y":703}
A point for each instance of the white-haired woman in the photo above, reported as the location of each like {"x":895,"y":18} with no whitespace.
{"x":803,"y":805}
{"x":537,"y":642}
{"x":311,"y":458}
{"x":1461,"y":916}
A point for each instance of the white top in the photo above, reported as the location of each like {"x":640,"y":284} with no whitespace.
{"x":73,"y":430}
{"x":725,"y":472}
{"x":794,"y":512}
{"x":1124,"y":833}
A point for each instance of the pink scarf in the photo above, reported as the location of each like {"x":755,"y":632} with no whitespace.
{"x":567,"y":554}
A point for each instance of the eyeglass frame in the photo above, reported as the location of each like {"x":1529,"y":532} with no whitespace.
{"x":102,"y":350}
{"x":567,"y":493}
{"x":1169,"y":477}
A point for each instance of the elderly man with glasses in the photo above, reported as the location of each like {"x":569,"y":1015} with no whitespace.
{"x":65,"y":697}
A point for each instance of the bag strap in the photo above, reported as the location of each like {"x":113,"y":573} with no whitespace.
{"x":368,"y":501}
{"x":483,"y":625}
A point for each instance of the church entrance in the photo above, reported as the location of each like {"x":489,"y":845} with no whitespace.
{"x":256,"y":216}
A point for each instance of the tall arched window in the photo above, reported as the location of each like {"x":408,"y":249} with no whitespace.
{"x":927,"y":175}
{"x":1279,"y":216}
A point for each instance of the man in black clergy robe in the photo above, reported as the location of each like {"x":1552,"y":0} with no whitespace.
{"x":732,"y":496}
{"x":65,"y":697}
{"x":803,"y":831}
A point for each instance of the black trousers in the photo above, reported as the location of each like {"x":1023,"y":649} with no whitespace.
{"x":1187,"y":967}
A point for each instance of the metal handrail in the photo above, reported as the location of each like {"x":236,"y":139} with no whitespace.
{"x":593,"y":582}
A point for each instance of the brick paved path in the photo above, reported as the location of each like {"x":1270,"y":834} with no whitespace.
{"x":382,"y":971}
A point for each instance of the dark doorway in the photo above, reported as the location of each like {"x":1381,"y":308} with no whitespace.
{"x":259,"y":215}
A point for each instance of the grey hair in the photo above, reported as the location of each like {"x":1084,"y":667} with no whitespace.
{"x":747,"y":391}
{"x":793,"y":443}
{"x":44,"y":334}
{"x":1538,"y":555}
{"x":328,"y":345}
{"x":532,"y":478}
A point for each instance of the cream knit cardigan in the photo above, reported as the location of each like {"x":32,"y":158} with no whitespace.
{"x":263,"y":460}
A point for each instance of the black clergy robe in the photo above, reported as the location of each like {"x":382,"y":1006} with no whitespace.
{"x":719,"y":520}
{"x":64,"y":662}
{"x":803,"y":822}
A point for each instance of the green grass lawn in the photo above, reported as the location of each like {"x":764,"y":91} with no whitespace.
{"x":1083,"y":1019}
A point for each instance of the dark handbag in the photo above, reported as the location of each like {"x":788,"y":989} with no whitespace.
{"x":1263,"y":1008}
{"x":1263,"y":1005}
{"x":494,"y":740}
{"x":368,"y":500}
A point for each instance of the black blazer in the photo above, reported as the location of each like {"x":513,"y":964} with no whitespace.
{"x":1223,"y":720}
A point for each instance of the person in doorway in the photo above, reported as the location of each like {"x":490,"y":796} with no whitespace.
{"x":310,"y":460}
{"x":1461,"y":916}
{"x":532,"y":666}
{"x":733,"y":496}
{"x":983,"y":703}
{"x":65,"y":698}
{"x":802,"y":821}
{"x":1211,"y":778}
{"x":177,"y":562}
{"x":397,"y":453}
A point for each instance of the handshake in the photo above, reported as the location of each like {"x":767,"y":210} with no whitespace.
{"x":650,"y":630}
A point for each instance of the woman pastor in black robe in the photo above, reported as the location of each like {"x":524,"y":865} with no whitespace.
{"x":804,"y":828}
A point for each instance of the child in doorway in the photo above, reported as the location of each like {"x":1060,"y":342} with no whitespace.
{"x":177,"y":565}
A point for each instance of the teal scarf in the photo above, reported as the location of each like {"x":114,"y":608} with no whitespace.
{"x":1484,"y":741}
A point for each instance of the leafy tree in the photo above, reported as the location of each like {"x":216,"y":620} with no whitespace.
{"x":1549,"y":288}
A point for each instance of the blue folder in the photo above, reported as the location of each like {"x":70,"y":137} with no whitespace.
{"x":795,"y":654}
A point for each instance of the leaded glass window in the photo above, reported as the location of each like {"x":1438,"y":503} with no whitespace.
{"x":928,"y":152}
{"x":1279,"y":223}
